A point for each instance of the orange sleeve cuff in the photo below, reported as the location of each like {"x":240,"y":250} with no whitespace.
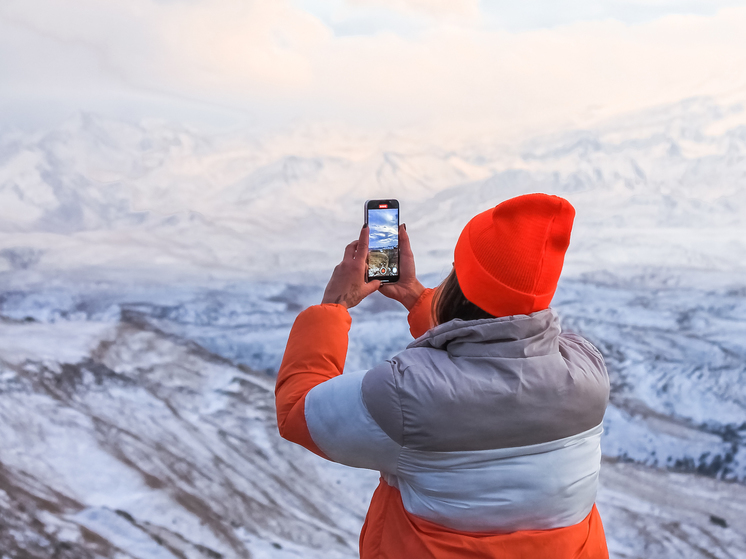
{"x":420,"y":315}
{"x":315,"y":352}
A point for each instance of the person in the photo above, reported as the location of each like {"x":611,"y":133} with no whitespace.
{"x":486,"y":429}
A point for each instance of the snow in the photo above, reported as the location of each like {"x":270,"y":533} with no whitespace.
{"x":150,"y":274}
{"x":651,"y":188}
{"x":121,"y":533}
{"x":68,"y":345}
{"x":147,"y":418}
{"x":178,"y":442}
{"x":651,"y":513}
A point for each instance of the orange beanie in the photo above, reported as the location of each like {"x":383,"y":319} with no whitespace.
{"x":508,"y":259}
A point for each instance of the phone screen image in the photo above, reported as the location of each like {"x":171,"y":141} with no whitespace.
{"x":383,"y":241}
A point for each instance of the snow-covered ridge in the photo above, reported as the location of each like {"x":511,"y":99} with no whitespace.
{"x":660,"y":187}
{"x":675,"y":354}
{"x":134,"y":443}
{"x":676,"y":358}
{"x":150,"y":273}
{"x":124,"y":437}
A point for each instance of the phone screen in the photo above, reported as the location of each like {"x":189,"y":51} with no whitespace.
{"x":382,"y":217}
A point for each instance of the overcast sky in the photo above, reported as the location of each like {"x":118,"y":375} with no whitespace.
{"x":508,"y":66}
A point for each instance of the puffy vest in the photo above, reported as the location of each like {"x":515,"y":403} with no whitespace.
{"x":486,"y":433}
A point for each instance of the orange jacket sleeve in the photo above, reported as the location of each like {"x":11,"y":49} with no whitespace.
{"x":315,"y":352}
{"x":420,"y":316}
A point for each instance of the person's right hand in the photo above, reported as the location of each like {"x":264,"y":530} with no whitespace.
{"x":347,"y":285}
{"x":408,"y":289}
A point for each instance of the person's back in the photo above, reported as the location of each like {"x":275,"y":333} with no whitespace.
{"x":486,"y":428}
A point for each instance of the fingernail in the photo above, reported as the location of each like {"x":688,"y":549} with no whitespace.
{"x":405,"y":226}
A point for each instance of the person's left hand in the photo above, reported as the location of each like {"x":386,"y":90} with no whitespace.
{"x":347,"y":285}
{"x":408,"y":289}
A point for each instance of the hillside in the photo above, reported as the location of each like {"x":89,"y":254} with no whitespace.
{"x":120,"y":440}
{"x":660,"y":188}
{"x":150,"y":273}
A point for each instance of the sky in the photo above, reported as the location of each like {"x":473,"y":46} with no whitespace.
{"x":384,"y":226}
{"x":508,"y":68}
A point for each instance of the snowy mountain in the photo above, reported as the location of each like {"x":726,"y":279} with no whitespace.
{"x":126,"y":442}
{"x":676,"y":362}
{"x":663,"y":187}
{"x":150,"y":273}
{"x":122,"y":439}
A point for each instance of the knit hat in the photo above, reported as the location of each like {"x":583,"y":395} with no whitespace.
{"x":508,"y":259}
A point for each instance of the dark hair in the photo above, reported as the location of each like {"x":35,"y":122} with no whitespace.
{"x":449,"y":303}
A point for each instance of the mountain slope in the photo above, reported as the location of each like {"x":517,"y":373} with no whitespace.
{"x":134,"y":443}
{"x":664,"y":186}
{"x":150,"y":445}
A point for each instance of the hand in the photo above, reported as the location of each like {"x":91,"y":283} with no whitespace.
{"x":347,"y":285}
{"x":408,"y":289}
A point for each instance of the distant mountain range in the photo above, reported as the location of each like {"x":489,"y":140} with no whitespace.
{"x":150,"y":273}
{"x":663,"y":187}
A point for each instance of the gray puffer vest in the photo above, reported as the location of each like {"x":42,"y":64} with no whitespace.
{"x":487,"y":425}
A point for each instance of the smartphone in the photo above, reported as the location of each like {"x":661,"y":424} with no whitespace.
{"x":382,"y":218}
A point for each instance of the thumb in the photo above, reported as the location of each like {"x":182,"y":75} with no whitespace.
{"x":370,"y":287}
{"x":405,"y":248}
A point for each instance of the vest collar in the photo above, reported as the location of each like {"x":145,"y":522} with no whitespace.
{"x":509,"y":336}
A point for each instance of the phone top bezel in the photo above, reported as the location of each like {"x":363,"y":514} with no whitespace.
{"x":373,"y":205}
{"x":368,"y":203}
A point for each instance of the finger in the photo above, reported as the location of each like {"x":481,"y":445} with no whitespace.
{"x":404,"y":245}
{"x":370,"y":287}
{"x":350,"y":250}
{"x":387,"y":288}
{"x":363,"y":240}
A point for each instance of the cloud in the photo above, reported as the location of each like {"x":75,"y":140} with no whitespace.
{"x":383,"y":227}
{"x":204,"y":47}
{"x":516,"y":16}
{"x":276,"y":58}
{"x":429,"y":7}
{"x":383,"y":237}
